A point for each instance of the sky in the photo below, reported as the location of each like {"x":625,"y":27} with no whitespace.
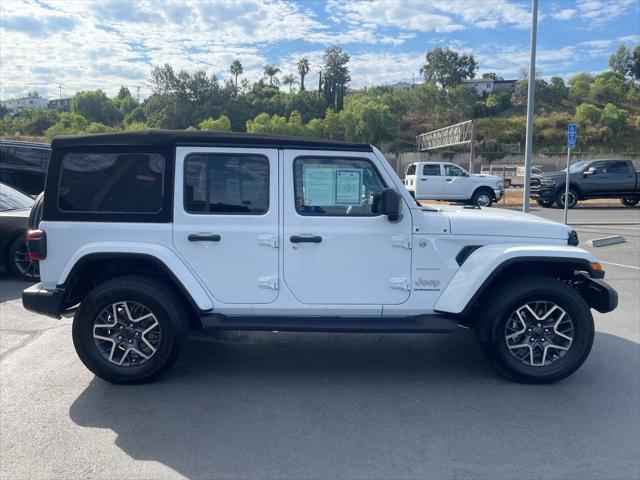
{"x":90,"y":44}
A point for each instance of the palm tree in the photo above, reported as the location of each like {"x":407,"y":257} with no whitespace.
{"x":270,"y":72}
{"x":289,"y":80}
{"x":303,"y":69}
{"x":236,"y":69}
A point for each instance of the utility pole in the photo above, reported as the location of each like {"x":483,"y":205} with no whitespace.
{"x":472,"y":152}
{"x":528,"y":153}
{"x":138,"y":90}
{"x":60,"y":89}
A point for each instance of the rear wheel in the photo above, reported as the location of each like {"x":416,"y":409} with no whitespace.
{"x":36,"y":212}
{"x":537,"y":330}
{"x":630,"y":201}
{"x":130,"y":329}
{"x":482,"y":198}
{"x":572,"y":199}
{"x":20,"y":263}
{"x":544,"y":203}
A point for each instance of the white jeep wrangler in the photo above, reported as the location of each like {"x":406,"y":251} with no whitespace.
{"x":144,"y":235}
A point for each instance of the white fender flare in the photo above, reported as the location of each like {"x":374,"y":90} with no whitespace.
{"x":167,"y":258}
{"x":484,"y":263}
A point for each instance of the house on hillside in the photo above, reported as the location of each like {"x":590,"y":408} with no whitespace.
{"x":60,"y":104}
{"x":402,"y":86}
{"x":488,"y":85}
{"x":16,"y":104}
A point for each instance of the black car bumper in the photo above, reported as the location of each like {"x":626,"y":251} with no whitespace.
{"x":45,"y":302}
{"x":598,"y":294}
{"x":545,"y":194}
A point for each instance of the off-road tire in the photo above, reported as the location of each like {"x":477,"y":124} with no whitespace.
{"x":167,"y":307}
{"x":18,"y":263}
{"x":36,"y":212}
{"x":498,"y":307}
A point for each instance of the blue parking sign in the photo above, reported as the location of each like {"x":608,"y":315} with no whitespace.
{"x":572,"y":130}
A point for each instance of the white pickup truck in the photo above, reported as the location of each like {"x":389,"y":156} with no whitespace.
{"x":447,"y":181}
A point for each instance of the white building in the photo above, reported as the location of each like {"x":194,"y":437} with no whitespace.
{"x":488,"y":85}
{"x":16,"y":104}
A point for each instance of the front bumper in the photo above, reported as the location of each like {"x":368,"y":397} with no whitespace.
{"x":598,"y":293}
{"x":498,"y":193}
{"x":546,"y":193}
{"x":45,"y":302}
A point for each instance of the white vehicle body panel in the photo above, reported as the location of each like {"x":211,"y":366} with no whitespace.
{"x":481,"y":263}
{"x":75,"y":240}
{"x":242,"y":267}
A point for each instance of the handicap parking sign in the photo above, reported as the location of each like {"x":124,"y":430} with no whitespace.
{"x":572,"y":130}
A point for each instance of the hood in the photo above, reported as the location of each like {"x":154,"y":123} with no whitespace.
{"x":554,"y":175}
{"x":22,"y":213}
{"x":503,"y":223}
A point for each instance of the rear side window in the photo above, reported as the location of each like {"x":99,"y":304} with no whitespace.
{"x":112,"y":182}
{"x":27,"y":157}
{"x":412,"y":169}
{"x":226,"y":184}
{"x":431,"y":170}
{"x":618,"y":167}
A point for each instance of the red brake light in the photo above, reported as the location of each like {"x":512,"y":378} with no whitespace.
{"x":36,"y":245}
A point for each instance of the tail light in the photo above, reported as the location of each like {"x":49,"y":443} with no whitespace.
{"x":36,"y":245}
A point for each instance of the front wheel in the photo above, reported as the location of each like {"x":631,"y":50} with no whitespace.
{"x":572,"y":199}
{"x":129,"y":329}
{"x":537,"y":330}
{"x":630,"y":201}
{"x":482,"y":198}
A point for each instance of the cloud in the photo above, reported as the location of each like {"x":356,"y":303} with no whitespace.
{"x":566,"y":14}
{"x":598,"y":12}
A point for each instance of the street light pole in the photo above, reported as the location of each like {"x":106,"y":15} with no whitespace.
{"x":530,"y":106}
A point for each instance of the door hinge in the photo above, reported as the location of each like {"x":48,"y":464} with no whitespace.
{"x":401,"y":241}
{"x":268,"y":282}
{"x":268,"y":240}
{"x":400,"y":283}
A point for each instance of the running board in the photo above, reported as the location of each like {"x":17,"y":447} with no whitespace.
{"x":436,"y":323}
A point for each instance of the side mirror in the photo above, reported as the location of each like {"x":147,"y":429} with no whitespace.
{"x":389,"y":204}
{"x":590,"y":171}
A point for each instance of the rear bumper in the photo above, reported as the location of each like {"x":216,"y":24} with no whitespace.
{"x":598,"y":294}
{"x":45,"y":302}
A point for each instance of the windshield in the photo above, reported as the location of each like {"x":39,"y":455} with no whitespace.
{"x":577,"y":167}
{"x":12,"y":199}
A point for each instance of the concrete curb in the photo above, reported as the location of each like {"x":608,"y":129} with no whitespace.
{"x":605,"y":241}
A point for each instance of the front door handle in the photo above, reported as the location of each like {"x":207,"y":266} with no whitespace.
{"x":204,"y":237}
{"x":449,"y":179}
{"x":305,"y":239}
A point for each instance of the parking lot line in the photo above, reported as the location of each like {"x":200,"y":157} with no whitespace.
{"x":620,"y":265}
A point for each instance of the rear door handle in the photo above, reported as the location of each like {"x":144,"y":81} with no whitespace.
{"x":305,"y":239}
{"x":204,"y":237}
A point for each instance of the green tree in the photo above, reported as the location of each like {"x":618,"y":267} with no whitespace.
{"x":222,"y":124}
{"x":587,"y":113}
{"x":366,"y":121}
{"x":95,"y":106}
{"x":336,"y":77}
{"x":123,"y":93}
{"x":635,"y":64}
{"x":580,"y":85}
{"x":492,"y":76}
{"x":236,"y":70}
{"x":448,"y":68}
{"x":303,"y":70}
{"x":332,"y":125}
{"x":615,"y":118}
{"x":608,"y":87}
{"x":622,"y":61}
{"x":289,"y":80}
{"x":271,"y":72}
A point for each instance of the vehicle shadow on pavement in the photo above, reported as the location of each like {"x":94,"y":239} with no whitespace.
{"x":275,"y":405}
{"x":11,"y":288}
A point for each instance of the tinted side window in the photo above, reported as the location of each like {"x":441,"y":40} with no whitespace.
{"x":618,"y":167}
{"x":112,"y":182}
{"x":336,"y":187}
{"x":226,"y":184}
{"x":600,"y":167}
{"x":412,"y":169}
{"x":431,"y":170}
{"x":31,"y":157}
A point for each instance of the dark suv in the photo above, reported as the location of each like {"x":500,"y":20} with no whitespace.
{"x":23,"y":165}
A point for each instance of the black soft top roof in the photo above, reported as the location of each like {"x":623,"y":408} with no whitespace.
{"x":171,"y":138}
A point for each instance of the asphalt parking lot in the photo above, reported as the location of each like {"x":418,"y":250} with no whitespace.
{"x":284,"y":405}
